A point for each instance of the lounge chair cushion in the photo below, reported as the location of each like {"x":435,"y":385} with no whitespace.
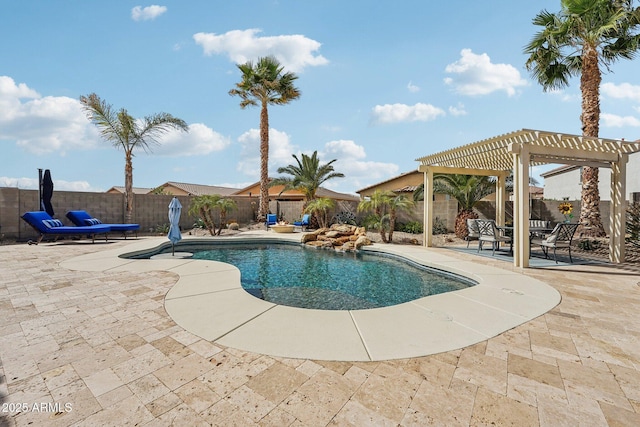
{"x":82,"y":218}
{"x":36,"y":219}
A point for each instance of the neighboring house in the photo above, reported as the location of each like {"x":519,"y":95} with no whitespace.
{"x":405,"y":183}
{"x":565,"y":182}
{"x":253,"y":190}
{"x":185,"y":189}
{"x":136,"y":190}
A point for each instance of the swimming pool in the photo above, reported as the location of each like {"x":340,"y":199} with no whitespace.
{"x":296,"y":276}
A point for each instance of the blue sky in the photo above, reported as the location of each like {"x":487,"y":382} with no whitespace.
{"x":382,"y":84}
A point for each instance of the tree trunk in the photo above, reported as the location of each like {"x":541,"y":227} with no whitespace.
{"x":461,"y":229}
{"x":128,"y":188}
{"x":590,"y":220}
{"x":392,"y":224}
{"x":263,"y":209}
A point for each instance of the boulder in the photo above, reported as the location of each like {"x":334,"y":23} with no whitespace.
{"x":362,"y":241}
{"x":343,"y":237}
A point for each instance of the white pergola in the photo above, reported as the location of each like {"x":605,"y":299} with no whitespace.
{"x":518,"y":150}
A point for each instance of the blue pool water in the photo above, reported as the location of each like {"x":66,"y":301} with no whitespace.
{"x":310,"y":278}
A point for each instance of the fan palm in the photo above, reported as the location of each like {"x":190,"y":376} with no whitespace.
{"x":577,"y":41}
{"x":129,"y":134}
{"x":265,"y":83}
{"x":307,"y":176}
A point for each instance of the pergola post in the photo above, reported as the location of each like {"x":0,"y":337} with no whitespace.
{"x":501,"y":197}
{"x":617,"y":211}
{"x":521,"y":248}
{"x":428,"y":205}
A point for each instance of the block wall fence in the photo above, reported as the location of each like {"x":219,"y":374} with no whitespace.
{"x":151,"y":210}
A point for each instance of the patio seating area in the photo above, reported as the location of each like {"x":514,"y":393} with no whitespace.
{"x":103,"y":343}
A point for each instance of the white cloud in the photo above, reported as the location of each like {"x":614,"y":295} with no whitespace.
{"x":61,"y":185}
{"x":622,"y":91}
{"x":295,"y":52}
{"x":200,"y":140}
{"x":58,"y":124}
{"x":476,"y":75}
{"x":350,"y":160}
{"x":280,"y":151}
{"x":42,"y":125}
{"x":457,"y":110}
{"x":413,"y":88}
{"x":394,"y":113}
{"x":614,"y":121}
{"x":148,"y":13}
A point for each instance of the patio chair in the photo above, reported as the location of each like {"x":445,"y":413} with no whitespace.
{"x":472,"y":230}
{"x":304,"y":223}
{"x":272,"y":219}
{"x":490,"y":233}
{"x":82,"y":218}
{"x":560,"y":237}
{"x":45,"y":225}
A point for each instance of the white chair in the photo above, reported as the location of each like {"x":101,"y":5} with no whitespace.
{"x":472,"y":230}
{"x":490,"y":233}
{"x":560,"y":237}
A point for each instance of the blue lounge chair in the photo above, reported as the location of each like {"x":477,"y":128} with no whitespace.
{"x":47,"y":226}
{"x":304,"y":223}
{"x":82,"y":218}
{"x":272,"y":219}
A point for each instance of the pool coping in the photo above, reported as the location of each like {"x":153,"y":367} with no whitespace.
{"x":208,"y":301}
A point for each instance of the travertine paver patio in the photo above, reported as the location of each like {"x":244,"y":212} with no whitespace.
{"x":103,"y":344}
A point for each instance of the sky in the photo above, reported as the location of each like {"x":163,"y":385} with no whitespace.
{"x":382,"y":83}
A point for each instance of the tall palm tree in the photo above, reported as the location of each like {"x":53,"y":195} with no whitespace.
{"x":129,"y":134}
{"x":265,"y":83}
{"x":398,"y":203}
{"x":577,"y":41}
{"x":378,"y":203}
{"x":468,"y":190}
{"x":307,"y":176}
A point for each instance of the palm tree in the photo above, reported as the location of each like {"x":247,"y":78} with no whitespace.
{"x":468,"y":190}
{"x":203,"y":207}
{"x":378,"y":202}
{"x":577,"y":41}
{"x":125,"y":132}
{"x":264,"y":83}
{"x":225,"y":205}
{"x":307,"y":176}
{"x":319,"y":207}
{"x":399,"y":203}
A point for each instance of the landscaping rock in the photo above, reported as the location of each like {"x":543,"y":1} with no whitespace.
{"x":342,"y":237}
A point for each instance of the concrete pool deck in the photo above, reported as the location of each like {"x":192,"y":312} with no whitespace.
{"x":102,"y":342}
{"x":209,"y":301}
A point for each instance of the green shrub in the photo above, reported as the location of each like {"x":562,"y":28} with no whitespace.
{"x":413,"y":227}
{"x":439,"y":226}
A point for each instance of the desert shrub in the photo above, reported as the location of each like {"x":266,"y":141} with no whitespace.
{"x":439,"y":226}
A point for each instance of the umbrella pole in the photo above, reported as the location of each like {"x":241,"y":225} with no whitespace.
{"x":173,"y":250}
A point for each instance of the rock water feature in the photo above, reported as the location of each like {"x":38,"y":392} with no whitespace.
{"x":341,"y":237}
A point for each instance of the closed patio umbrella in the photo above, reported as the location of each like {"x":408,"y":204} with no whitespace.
{"x":47,"y":193}
{"x":175,"y":208}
